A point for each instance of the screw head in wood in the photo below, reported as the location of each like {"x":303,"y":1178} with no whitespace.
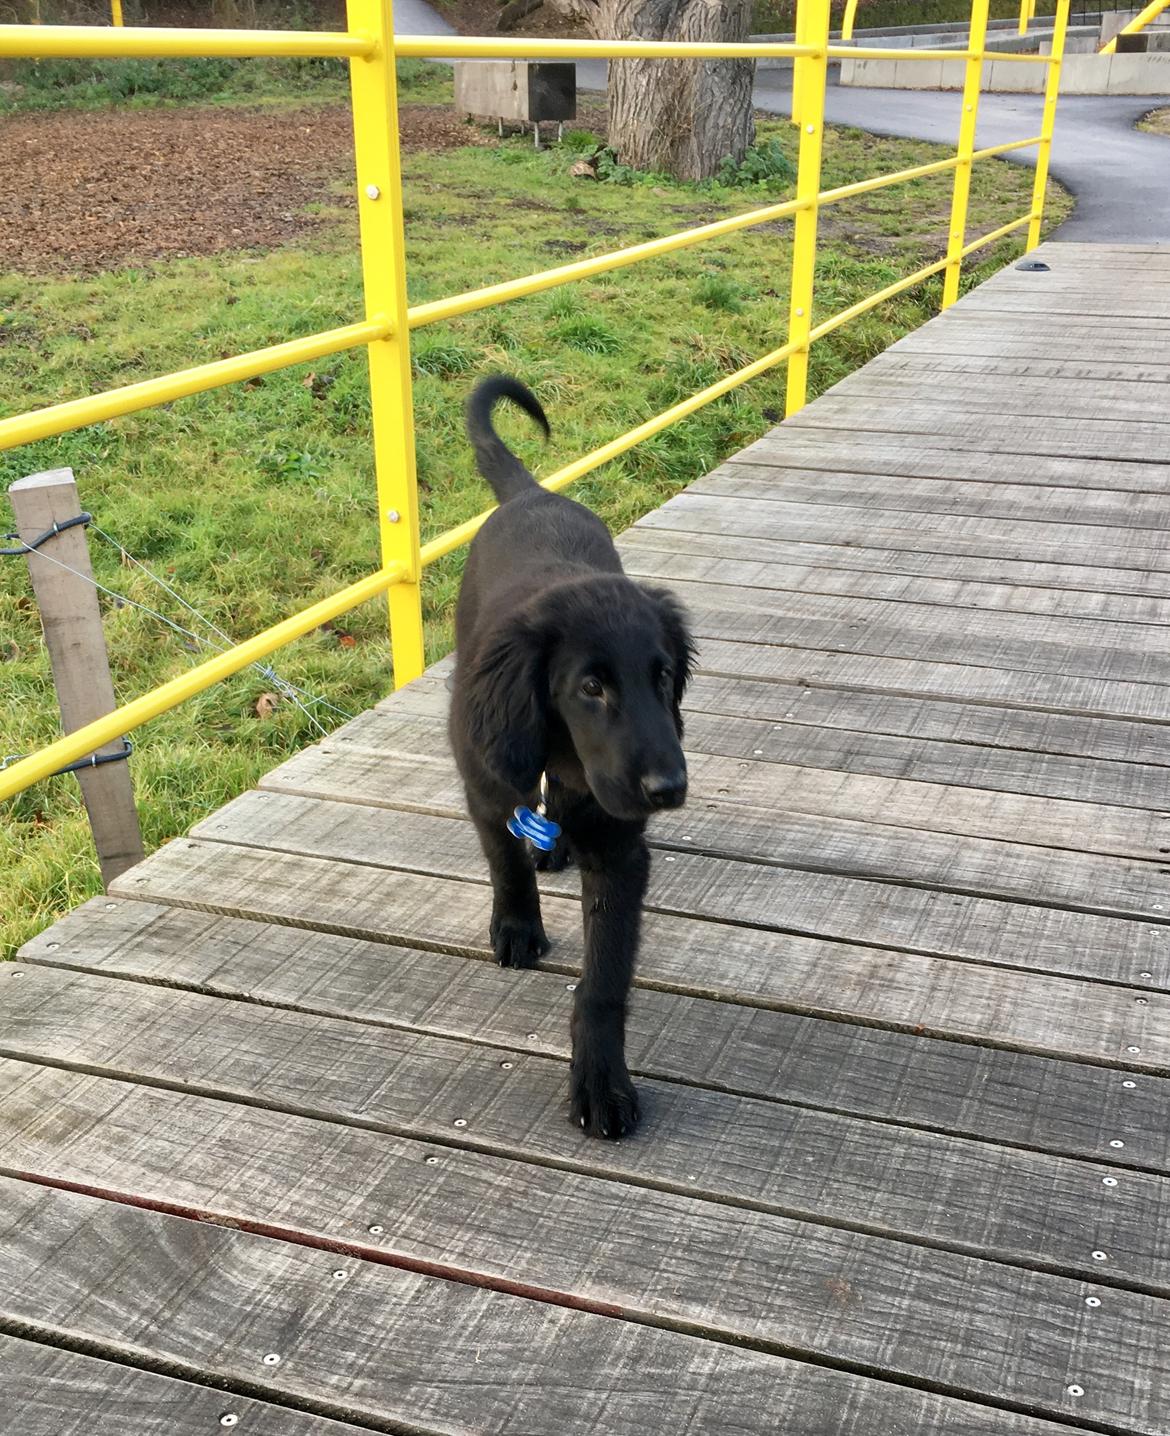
{"x":570,"y":987}
{"x":376,"y":1230}
{"x":432,"y":1161}
{"x":1134,"y":1050}
{"x":53,"y":946}
{"x":1146,"y":975}
{"x":272,"y":1358}
{"x":1075,"y":1390}
{"x":17,"y":974}
{"x":1093,"y":1301}
{"x":1108,"y":1181}
{"x":1117,"y":1142}
{"x":532,"y":1037}
{"x":460,"y":1121}
{"x":1100,"y":1256}
{"x":229,"y":1418}
{"x":1128,"y":1083}
{"x":340,"y":1274}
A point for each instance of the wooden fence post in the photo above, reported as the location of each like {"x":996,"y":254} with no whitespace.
{"x":72,"y":624}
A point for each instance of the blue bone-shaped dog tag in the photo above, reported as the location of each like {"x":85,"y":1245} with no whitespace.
{"x":540,"y":831}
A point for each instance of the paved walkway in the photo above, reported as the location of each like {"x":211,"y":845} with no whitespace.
{"x":1120,"y":176}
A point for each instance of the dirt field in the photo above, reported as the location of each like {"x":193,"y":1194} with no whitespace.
{"x":90,"y":191}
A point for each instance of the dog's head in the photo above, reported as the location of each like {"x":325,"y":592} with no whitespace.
{"x":600,"y":664}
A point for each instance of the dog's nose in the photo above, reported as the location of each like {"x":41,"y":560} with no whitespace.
{"x":665,"y":790}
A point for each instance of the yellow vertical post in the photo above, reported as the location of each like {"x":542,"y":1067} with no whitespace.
{"x":972,"y":84}
{"x":1048,"y":123}
{"x":808,"y":185}
{"x":798,"y":65}
{"x":116,"y":11}
{"x":379,"y":186}
{"x":1025,"y":14}
{"x":849,"y":20}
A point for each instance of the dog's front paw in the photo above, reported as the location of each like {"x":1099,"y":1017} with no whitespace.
{"x":518,"y":941}
{"x":602,"y":1100}
{"x":555,"y":861}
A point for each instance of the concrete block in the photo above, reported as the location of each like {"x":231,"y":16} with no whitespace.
{"x":1085,"y":75}
{"x":1139,"y":75}
{"x":918,"y":74}
{"x":516,"y":89}
{"x":954,"y":73}
{"x":1016,"y":79}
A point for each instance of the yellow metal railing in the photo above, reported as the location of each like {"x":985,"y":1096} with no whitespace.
{"x":371,"y":47}
{"x":1139,"y":22}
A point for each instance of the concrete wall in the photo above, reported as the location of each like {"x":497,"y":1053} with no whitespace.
{"x":1082,"y":75}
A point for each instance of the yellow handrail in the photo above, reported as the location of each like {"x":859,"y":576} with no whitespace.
{"x":370,"y":45}
{"x":1139,"y":22}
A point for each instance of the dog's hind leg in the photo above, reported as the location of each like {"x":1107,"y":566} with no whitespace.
{"x":614,"y":873}
{"x":517,"y":930}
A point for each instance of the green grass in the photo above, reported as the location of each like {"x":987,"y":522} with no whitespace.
{"x":257,"y":499}
{"x":94,"y":84}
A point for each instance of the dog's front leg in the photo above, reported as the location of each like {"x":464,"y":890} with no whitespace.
{"x":613,"y":884}
{"x":517,"y":930}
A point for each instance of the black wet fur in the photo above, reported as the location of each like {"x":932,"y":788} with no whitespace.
{"x":546,"y":618}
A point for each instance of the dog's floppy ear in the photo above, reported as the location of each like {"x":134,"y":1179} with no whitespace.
{"x":678,"y":641}
{"x":508,"y":702}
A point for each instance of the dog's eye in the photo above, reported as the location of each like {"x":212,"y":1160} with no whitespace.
{"x":592,"y":688}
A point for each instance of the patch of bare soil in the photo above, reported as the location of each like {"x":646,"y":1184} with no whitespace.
{"x":89,"y":191}
{"x":1157,"y":122}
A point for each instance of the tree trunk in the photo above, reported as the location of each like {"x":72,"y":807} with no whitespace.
{"x":680,"y":116}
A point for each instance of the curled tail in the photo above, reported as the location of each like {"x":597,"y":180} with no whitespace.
{"x":495,"y":461}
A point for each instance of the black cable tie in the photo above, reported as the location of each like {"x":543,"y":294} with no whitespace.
{"x":58,"y":528}
{"x":96,"y":759}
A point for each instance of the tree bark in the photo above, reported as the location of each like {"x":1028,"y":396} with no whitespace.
{"x":683,"y":117}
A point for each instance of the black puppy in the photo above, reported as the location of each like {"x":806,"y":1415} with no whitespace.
{"x":568,"y":682}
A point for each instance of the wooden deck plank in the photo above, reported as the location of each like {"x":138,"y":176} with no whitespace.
{"x":859,"y":451}
{"x":779,"y":1051}
{"x":878,"y":673}
{"x":1083,"y":546}
{"x":367,"y":899}
{"x":1031,"y":503}
{"x":742,"y":822}
{"x":193,"y":1295}
{"x":669,"y":559}
{"x":63,"y":1393}
{"x":965,"y":1326}
{"x":385,"y":761}
{"x":1074,"y":584}
{"x":1021,"y":1207}
{"x":1088,"y":367}
{"x":835,"y":746}
{"x":1091,"y":438}
{"x":1095,"y":399}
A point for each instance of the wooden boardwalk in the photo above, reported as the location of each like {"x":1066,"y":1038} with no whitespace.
{"x":279,"y":1143}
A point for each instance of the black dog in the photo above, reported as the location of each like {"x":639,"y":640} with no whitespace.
{"x":568,"y":683}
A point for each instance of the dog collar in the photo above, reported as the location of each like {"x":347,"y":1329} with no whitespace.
{"x":540,"y":831}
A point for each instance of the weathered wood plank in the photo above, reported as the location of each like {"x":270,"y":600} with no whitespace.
{"x":384,"y":770}
{"x":856,"y":451}
{"x":957,"y":1323}
{"x":1010,"y":758}
{"x":891,"y":1071}
{"x":1074,"y":583}
{"x":975,"y":1197}
{"x":1082,"y":546}
{"x":1088,"y":647}
{"x":880,"y":673}
{"x":47,"y":1391}
{"x":1029,"y":502}
{"x":1090,"y":439}
{"x":394,"y":1349}
{"x":1116,"y":372}
{"x":1094,"y":545}
{"x":1097,"y":399}
{"x":671,"y":558}
{"x":364,"y":898}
